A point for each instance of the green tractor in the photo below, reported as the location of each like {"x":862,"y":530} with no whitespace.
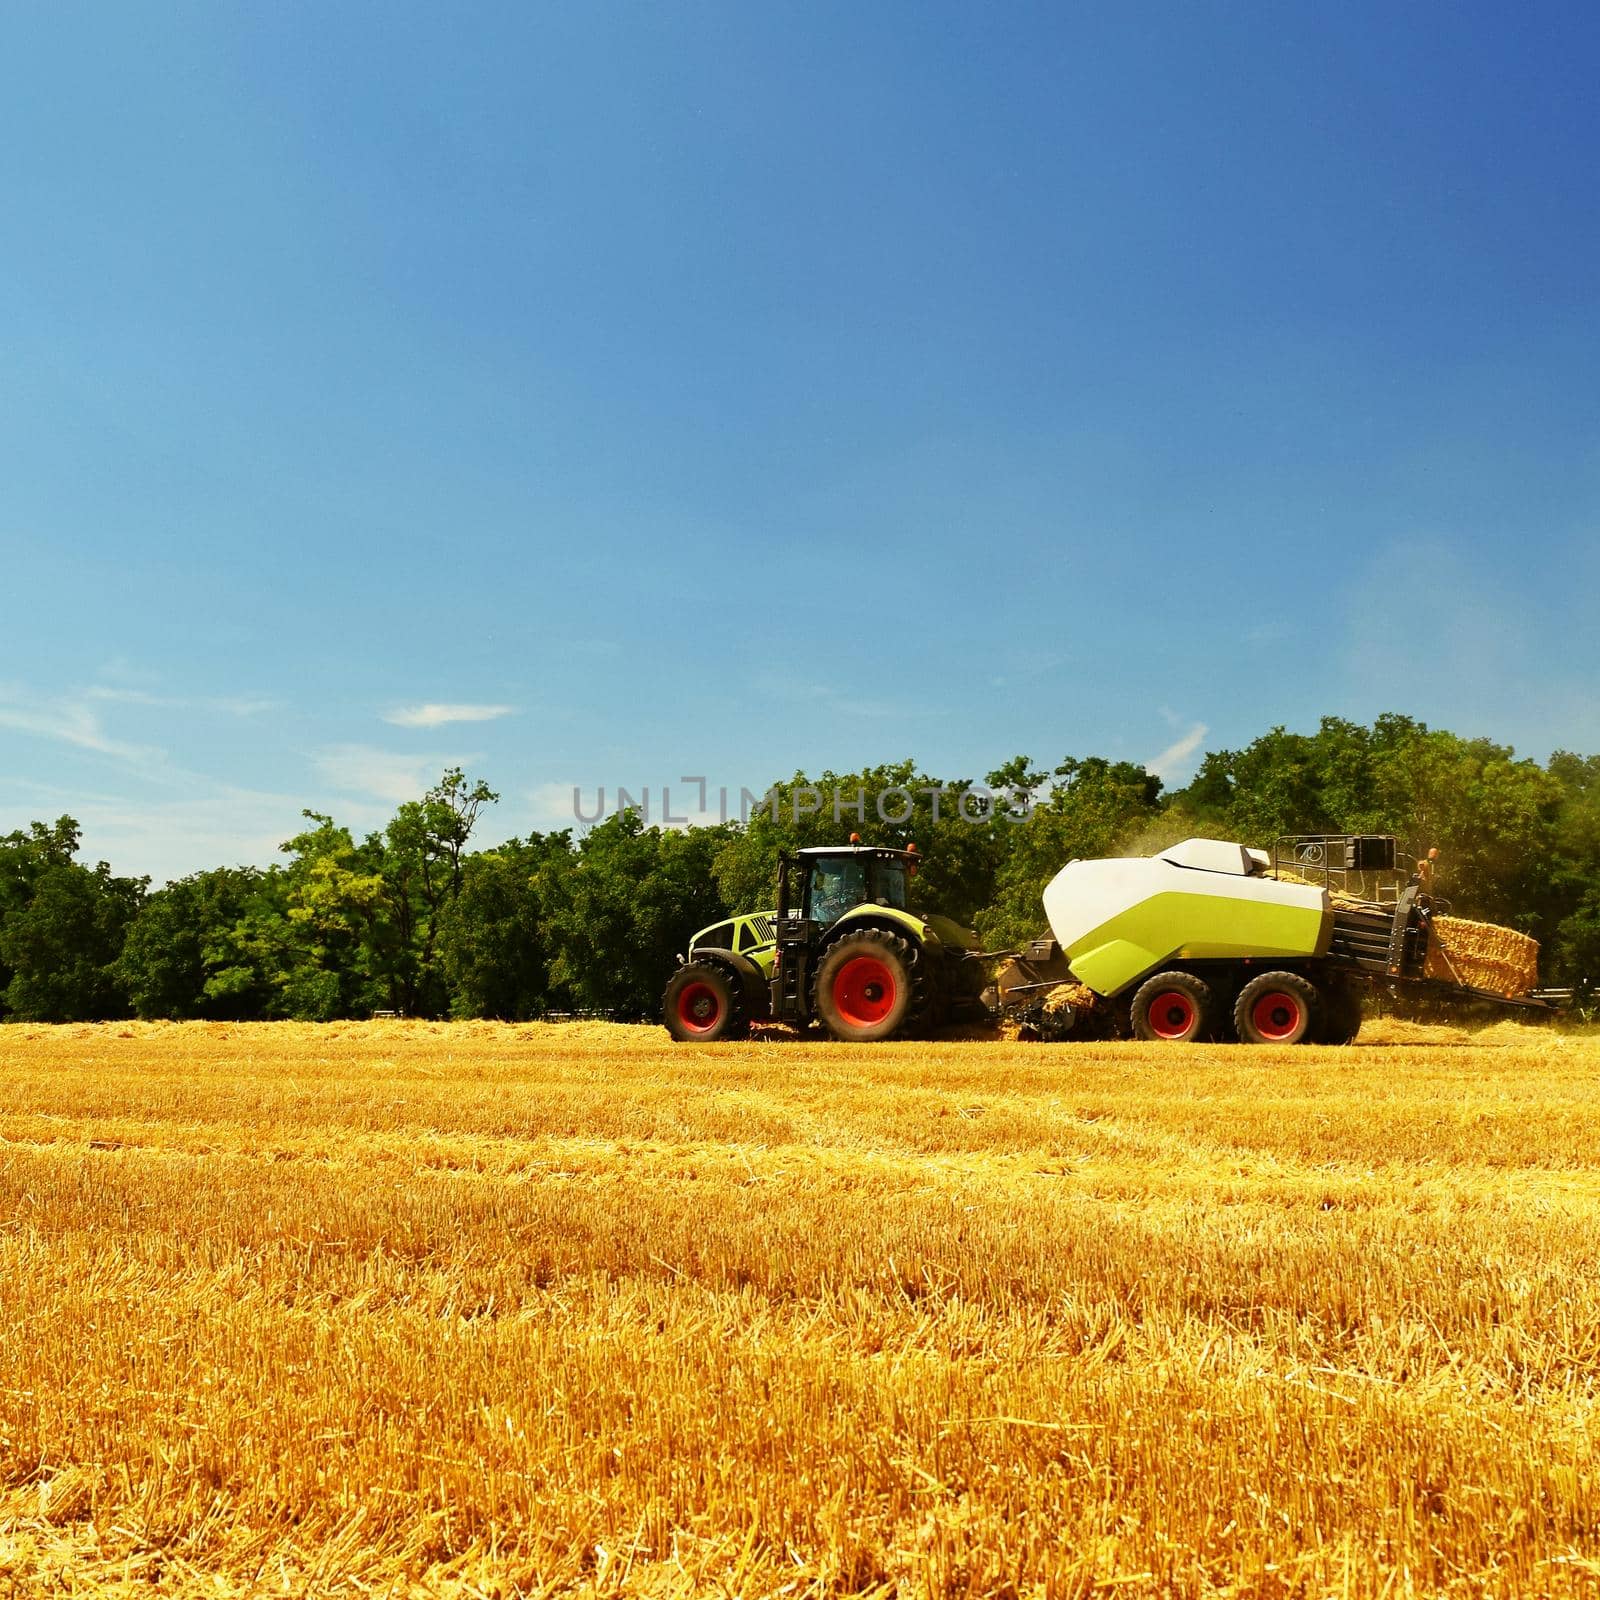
{"x":842,"y":949}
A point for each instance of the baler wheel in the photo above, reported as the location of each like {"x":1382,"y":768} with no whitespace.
{"x":1278,"y":1008}
{"x":1175,"y":1008}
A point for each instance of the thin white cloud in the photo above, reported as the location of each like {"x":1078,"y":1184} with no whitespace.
{"x":233,"y":705}
{"x":66,"y":721}
{"x":838,"y":702}
{"x":125,"y":697}
{"x":244,"y":705}
{"x":1477,"y":664}
{"x":388,"y":774}
{"x":211,"y":826}
{"x":120,"y":669}
{"x":551,"y":806}
{"x":1027,"y":666}
{"x":433,"y":714}
{"x":1177,"y":759}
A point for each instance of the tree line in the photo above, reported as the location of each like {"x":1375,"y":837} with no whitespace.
{"x":409,"y":919}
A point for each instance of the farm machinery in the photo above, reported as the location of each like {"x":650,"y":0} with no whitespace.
{"x":841,"y":949}
{"x":1206,"y":940}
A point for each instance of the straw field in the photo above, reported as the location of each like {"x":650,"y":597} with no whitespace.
{"x":466,"y":1309}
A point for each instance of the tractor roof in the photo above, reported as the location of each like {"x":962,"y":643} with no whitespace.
{"x":856,"y":850}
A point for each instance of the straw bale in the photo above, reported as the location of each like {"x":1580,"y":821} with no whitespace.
{"x":1482,"y":956}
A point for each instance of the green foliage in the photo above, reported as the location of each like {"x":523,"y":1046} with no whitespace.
{"x":337,"y":949}
{"x":1088,"y":810}
{"x":195,"y":948}
{"x":419,"y":861}
{"x":364,"y":919}
{"x":24,"y":858}
{"x":493,"y":943}
{"x":623,"y":906}
{"x":1573,"y":904}
{"x":61,"y":947}
{"x":1496,"y":819}
{"x":409,"y":919}
{"x":960,"y":857}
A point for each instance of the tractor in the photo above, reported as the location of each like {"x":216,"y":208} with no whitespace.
{"x":842,"y":949}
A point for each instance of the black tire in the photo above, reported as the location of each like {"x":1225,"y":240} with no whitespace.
{"x":866,"y":986}
{"x":704,"y":1003}
{"x":1279,"y":1008}
{"x":1174,"y":1008}
{"x":1341,"y":1020}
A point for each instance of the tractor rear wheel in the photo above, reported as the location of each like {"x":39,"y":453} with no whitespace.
{"x":864,"y":986}
{"x":1278,"y":1008}
{"x":703,"y":1004}
{"x":1176,"y":1007}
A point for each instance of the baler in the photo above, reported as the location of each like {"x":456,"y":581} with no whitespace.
{"x":1210,"y":939}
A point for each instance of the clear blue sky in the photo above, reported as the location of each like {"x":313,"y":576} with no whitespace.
{"x":731,"y":389}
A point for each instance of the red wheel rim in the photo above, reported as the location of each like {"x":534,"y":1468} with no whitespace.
{"x":1277,"y":1015}
{"x":864,"y":991}
{"x":1171,"y":1014}
{"x":699,"y":1007}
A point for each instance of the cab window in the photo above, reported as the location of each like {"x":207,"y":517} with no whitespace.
{"x":836,"y":884}
{"x":889,"y":884}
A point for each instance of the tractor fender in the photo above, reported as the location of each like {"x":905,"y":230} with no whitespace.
{"x":890,"y":919}
{"x":750,"y":978}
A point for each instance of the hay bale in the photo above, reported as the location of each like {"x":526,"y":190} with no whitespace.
{"x":1482,"y":955}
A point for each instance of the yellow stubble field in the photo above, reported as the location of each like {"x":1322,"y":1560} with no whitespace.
{"x":471,"y":1309}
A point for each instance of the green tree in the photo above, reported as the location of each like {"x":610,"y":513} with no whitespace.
{"x":329,"y":961}
{"x":892,"y":804}
{"x":61,"y":948}
{"x":419,"y":862}
{"x":618,"y":909}
{"x":1492,"y":817}
{"x":1089,"y":809}
{"x":1511,"y":833}
{"x":493,"y":945}
{"x":364,"y":919}
{"x":24,"y":858}
{"x":1574,"y":911}
{"x":194,"y":949}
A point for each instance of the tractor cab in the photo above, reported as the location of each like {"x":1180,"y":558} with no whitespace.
{"x":825,"y":893}
{"x":823,"y":883}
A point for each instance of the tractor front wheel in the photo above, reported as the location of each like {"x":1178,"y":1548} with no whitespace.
{"x":1278,"y":1008}
{"x":702,"y":1005}
{"x":863,"y":990}
{"x":1176,"y":1007}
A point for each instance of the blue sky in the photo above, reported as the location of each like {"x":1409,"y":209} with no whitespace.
{"x":732,"y":389}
